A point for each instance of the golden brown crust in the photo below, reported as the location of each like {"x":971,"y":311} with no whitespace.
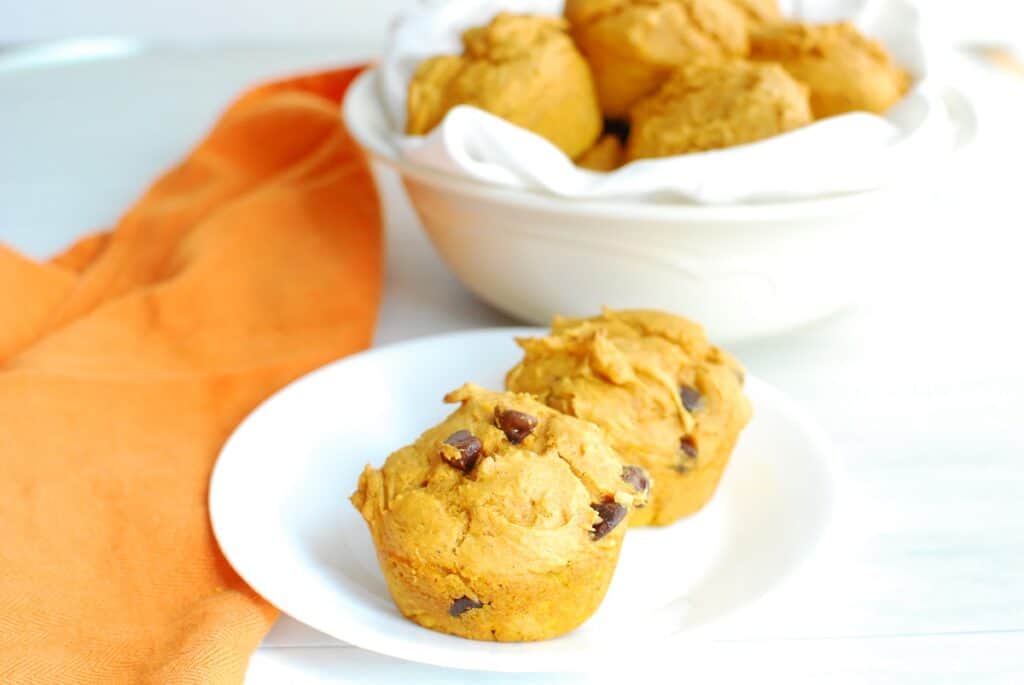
{"x":428,"y":92}
{"x":633,"y":45}
{"x":709,"y":105}
{"x":652,"y":381}
{"x":845,"y":70}
{"x":522,"y":68}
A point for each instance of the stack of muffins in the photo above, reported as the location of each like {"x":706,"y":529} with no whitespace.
{"x":617,"y":80}
{"x":505,"y":521}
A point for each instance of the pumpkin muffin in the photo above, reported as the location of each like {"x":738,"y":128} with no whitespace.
{"x":709,"y":105}
{"x":845,"y":70}
{"x":633,"y":45}
{"x":522,"y":68}
{"x":667,"y":399}
{"x":503,"y":521}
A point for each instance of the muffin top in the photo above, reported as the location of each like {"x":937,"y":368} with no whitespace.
{"x":523,"y":68}
{"x":632,"y":45}
{"x":845,"y":70}
{"x":493,"y":72}
{"x":706,"y":105}
{"x":646,"y":377}
{"x":702,"y":25}
{"x":504,"y":485}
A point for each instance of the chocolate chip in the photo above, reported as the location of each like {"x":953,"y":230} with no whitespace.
{"x":637,"y":478}
{"x":689,"y":446}
{"x":691,"y":397}
{"x":462,"y":605}
{"x":515,"y":424}
{"x":611,"y":513}
{"x":689,"y":459}
{"x":469,"y":448}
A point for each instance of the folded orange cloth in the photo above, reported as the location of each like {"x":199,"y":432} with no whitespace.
{"x":126,"y":362}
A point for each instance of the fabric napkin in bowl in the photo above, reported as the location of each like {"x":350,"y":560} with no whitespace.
{"x":851,"y":153}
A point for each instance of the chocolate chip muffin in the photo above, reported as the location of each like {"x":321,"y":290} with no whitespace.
{"x":522,"y":68}
{"x":633,"y":45}
{"x":667,"y":399}
{"x":710,"y":105}
{"x":845,"y":70}
{"x":504,"y":522}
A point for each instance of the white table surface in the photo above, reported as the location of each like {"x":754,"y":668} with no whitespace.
{"x":921,"y":387}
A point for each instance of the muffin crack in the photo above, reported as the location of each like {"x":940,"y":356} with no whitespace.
{"x":455,"y":569}
{"x":661,"y":379}
{"x":586,"y":481}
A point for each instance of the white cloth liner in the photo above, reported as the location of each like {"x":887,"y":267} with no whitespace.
{"x":848,"y":153}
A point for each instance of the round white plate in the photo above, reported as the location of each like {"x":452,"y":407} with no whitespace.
{"x":279,"y":508}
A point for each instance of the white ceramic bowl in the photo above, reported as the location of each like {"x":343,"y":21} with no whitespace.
{"x":743,"y":271}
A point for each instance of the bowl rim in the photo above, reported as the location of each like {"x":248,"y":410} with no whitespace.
{"x":361,"y":101}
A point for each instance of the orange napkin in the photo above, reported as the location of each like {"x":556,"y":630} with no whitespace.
{"x":127,"y":361}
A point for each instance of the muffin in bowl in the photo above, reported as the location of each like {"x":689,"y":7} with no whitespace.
{"x":710,"y":105}
{"x":845,"y":70}
{"x":522,"y":68}
{"x":634,"y":45}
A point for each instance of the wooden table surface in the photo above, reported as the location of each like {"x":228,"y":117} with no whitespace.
{"x":921,"y":386}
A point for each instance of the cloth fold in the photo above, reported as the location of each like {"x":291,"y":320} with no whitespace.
{"x":126,"y":362}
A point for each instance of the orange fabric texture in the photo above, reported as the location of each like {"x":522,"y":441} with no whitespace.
{"x":126,"y":362}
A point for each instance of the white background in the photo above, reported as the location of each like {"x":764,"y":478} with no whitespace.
{"x":195,"y":19}
{"x":21,"y":20}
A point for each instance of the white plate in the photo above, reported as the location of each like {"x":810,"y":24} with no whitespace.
{"x":278,"y":504}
